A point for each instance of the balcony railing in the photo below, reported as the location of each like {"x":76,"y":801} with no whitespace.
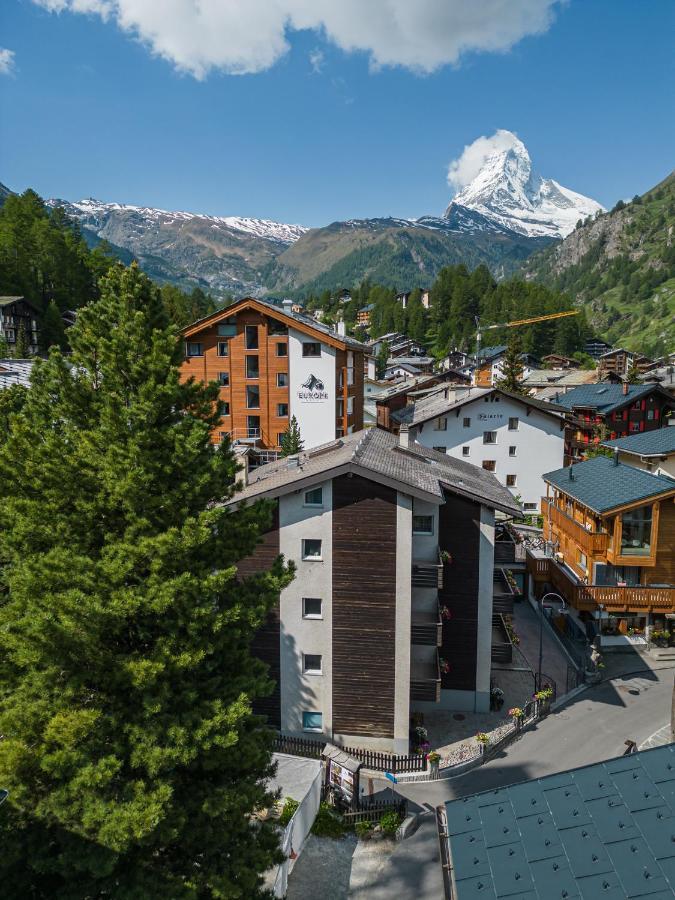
{"x":502,"y":592}
{"x":501,"y":646}
{"x":593,"y":543}
{"x":427,"y":573}
{"x":425,"y":675}
{"x":427,"y":627}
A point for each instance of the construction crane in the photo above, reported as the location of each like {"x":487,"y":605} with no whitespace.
{"x":480,"y":329}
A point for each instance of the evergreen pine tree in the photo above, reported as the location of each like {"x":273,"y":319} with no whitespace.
{"x":381,"y":360}
{"x":291,"y":442}
{"x":21,"y":347}
{"x":52,"y":333}
{"x":512,"y":369}
{"x":4,"y":347}
{"x":132,"y":758}
{"x":633,"y":374}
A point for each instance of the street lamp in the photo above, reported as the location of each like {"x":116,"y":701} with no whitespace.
{"x":541,"y":630}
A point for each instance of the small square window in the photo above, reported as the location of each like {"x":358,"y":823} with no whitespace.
{"x":252,"y":367}
{"x":252,"y":396}
{"x":511,"y":480}
{"x":192,"y":348}
{"x":489,"y":437}
{"x":224,"y":409}
{"x":512,"y":451}
{"x":223,"y":348}
{"x":466,"y":451}
{"x":251,"y":337}
{"x":312,"y":608}
{"x":311,"y":348}
{"x":311,"y":663}
{"x":311,"y":548}
{"x":282,"y":410}
{"x":513,"y":423}
{"x":423,"y":524}
{"x":466,"y":421}
{"x":282,"y":379}
{"x":223,"y":379}
{"x":312,"y":721}
{"x":314,"y":497}
{"x":441,"y":424}
{"x":489,"y":465}
{"x":282,"y":349}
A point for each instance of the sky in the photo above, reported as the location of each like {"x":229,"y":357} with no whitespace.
{"x":312,"y":111}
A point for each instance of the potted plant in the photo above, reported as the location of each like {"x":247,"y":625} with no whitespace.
{"x":660,"y":637}
{"x":434,"y":760}
{"x":517,"y":714}
{"x":496,"y":699}
{"x":543,"y":698}
{"x":444,"y":665}
{"x":363,"y":831}
{"x":445,"y":613}
{"x":446,"y":557}
{"x":483,"y":740}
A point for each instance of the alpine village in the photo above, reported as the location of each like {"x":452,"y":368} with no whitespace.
{"x":335,"y":562}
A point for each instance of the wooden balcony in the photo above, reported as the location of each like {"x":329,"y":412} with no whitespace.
{"x":425,"y":675}
{"x":426,"y":573}
{"x":592,"y":543}
{"x":426,"y":627}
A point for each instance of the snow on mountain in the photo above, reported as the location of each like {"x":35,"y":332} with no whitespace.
{"x":94,"y":214}
{"x":510,"y":193}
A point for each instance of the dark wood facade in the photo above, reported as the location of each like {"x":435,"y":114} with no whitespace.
{"x":459,"y":533}
{"x":15,"y":313}
{"x":364,"y":607}
{"x":266,"y":643}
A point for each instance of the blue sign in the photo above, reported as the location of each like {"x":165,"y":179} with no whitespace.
{"x":391,"y":777}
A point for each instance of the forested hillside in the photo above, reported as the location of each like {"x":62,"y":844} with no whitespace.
{"x":621,"y":267}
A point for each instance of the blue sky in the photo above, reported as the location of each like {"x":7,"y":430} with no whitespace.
{"x":321,"y":133}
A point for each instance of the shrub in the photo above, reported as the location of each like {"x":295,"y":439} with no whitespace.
{"x":390,"y":822}
{"x":362,"y":829}
{"x":290,"y":806}
{"x":328,"y":823}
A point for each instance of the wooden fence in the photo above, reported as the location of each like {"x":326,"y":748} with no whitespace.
{"x":373,"y":812}
{"x":371,"y":759}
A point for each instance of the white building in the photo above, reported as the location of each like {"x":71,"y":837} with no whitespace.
{"x":653,"y":451}
{"x":517,"y":438}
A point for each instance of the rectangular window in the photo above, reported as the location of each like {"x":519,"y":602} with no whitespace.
{"x":253,"y":426}
{"x":224,"y":409}
{"x":311,"y":348}
{"x":489,"y":465}
{"x":636,"y":532}
{"x":280,"y":437}
{"x":223,"y":379}
{"x":423,"y":524}
{"x":440,"y":449}
{"x":350,"y":406}
{"x":223,"y":348}
{"x":282,"y":379}
{"x":312,"y":721}
{"x":441,"y":424}
{"x":314,"y":497}
{"x":252,"y":396}
{"x":489,"y":437}
{"x":282,"y":349}
{"x":466,"y":421}
{"x":511,"y":480}
{"x":251,"y":337}
{"x":581,"y":559}
{"x":192,"y":348}
{"x":512,"y":451}
{"x":252,"y":367}
{"x":513,"y":423}
{"x":227,"y":328}
{"x":311,"y":548}
{"x":466,"y":451}
{"x":282,"y":410}
{"x":311,"y":663}
{"x":312,"y":608}
{"x":650,"y":415}
{"x":529,"y":506}
{"x":277,"y":328}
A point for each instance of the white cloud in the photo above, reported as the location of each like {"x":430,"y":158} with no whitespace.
{"x":464,"y":169}
{"x":6,"y":61}
{"x":316,"y":60}
{"x":246,"y":36}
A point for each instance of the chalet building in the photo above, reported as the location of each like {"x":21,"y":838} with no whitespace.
{"x":611,"y":533}
{"x":544,"y":384}
{"x":363,"y":315}
{"x":663,"y":374}
{"x":273,"y":364}
{"x":653,"y":451}
{"x":403,"y":297}
{"x":14,"y":313}
{"x":408,"y":366}
{"x":514,"y":437}
{"x":404,"y":392}
{"x":595,"y":347}
{"x":489,"y":367}
{"x":609,"y":411}
{"x":620,"y":362}
{"x":391,"y":606}
{"x":457,"y":360}
{"x":556,"y":361}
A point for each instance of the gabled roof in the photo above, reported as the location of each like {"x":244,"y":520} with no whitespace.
{"x":15,"y":371}
{"x":284,"y":314}
{"x":605,"y":397}
{"x":633,"y":353}
{"x":367,"y":308}
{"x":488,"y":353}
{"x":602,"y":484}
{"x":7,"y":300}
{"x":378,"y":455}
{"x":660,"y":442}
{"x":448,"y":398}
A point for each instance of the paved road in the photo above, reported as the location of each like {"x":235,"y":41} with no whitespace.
{"x":590,"y":728}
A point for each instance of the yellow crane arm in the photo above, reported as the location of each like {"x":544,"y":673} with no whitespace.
{"x":558,"y":315}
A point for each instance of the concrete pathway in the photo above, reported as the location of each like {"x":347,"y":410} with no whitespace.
{"x":554,"y":660}
{"x":323,"y":869}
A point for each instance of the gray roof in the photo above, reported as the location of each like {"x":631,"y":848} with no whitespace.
{"x":603,"y":830}
{"x":604,"y":397}
{"x":563,"y":377}
{"x":406,"y":386}
{"x":602,"y":485}
{"x":378,"y":453}
{"x":660,"y":442}
{"x":665,"y":374}
{"x":15,"y":371}
{"x":487,"y":353}
{"x":447,"y":398}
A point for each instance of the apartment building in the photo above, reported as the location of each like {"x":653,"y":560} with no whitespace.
{"x":15,"y":313}
{"x":272,"y":364}
{"x":489,"y":368}
{"x":390,"y":610}
{"x":620,"y":362}
{"x":516,"y":438}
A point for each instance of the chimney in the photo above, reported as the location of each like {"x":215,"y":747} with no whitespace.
{"x":624,"y":388}
{"x":287,"y":304}
{"x":404,"y":436}
{"x":570,"y":472}
{"x":616,"y":456}
{"x":293,"y":461}
{"x":341,"y":328}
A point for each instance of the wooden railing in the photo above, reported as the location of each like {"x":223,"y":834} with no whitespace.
{"x":371,"y":759}
{"x":427,"y":627}
{"x":592,"y":543}
{"x":427,"y":574}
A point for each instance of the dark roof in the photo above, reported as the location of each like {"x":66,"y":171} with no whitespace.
{"x":602,"y":485}
{"x":660,"y":442}
{"x":603,"y":830}
{"x":604,"y":397}
{"x":488,"y":353}
{"x":367,"y":308}
{"x":377,"y":453}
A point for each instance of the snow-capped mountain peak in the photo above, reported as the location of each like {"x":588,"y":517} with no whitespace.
{"x":508,"y":191}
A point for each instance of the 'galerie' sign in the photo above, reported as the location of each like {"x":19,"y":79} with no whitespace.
{"x":313,"y":390}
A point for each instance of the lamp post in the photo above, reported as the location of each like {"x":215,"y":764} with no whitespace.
{"x":541,"y":630}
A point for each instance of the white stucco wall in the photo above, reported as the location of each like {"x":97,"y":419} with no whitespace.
{"x":539,"y":442}
{"x":655,"y":466}
{"x":316,"y":415}
{"x":299,"y":692}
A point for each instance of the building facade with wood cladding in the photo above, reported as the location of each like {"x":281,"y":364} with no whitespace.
{"x":390,"y":610}
{"x":610,"y":529}
{"x":273,"y":364}
{"x":16,"y":315}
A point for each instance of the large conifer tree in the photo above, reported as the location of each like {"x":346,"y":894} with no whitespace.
{"x":132,"y":758}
